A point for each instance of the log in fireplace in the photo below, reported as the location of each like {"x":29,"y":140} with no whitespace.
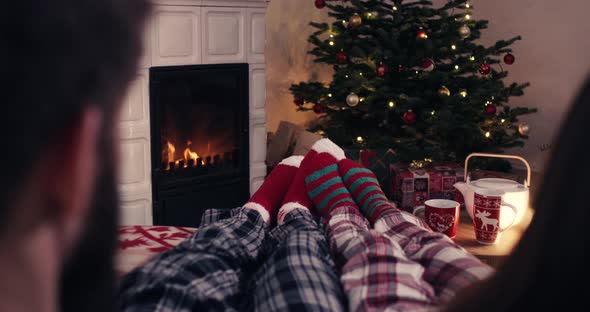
{"x":199,"y":140}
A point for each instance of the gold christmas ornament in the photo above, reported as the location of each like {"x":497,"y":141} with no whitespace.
{"x":352,"y":99}
{"x":355,"y":20}
{"x":444,"y":91}
{"x":464,"y":31}
{"x":524,"y":128}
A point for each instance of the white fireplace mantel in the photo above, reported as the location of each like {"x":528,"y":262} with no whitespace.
{"x":191,"y":32}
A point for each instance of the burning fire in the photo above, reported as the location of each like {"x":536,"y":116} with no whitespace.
{"x":187,"y":154}
{"x":171,"y":151}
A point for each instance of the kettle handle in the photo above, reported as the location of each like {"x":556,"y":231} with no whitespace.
{"x":527,"y":183}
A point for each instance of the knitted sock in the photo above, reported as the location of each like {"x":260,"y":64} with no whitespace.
{"x":270,"y":194}
{"x":361,"y":183}
{"x":296,"y":197}
{"x":365,"y":189}
{"x":324,"y":184}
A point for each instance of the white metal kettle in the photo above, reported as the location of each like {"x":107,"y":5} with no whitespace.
{"x":516,"y":194}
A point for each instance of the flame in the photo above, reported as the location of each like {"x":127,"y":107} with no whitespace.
{"x":171,"y":151}
{"x":188,"y":154}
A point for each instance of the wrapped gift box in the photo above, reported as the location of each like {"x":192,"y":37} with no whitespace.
{"x":411,"y":187}
{"x":378,"y":161}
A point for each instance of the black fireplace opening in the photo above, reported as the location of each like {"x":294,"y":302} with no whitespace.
{"x":199,"y":140}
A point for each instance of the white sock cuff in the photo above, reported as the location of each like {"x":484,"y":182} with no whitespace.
{"x":288,"y":207}
{"x":293,"y":161}
{"x":327,"y":146}
{"x":258,"y":207}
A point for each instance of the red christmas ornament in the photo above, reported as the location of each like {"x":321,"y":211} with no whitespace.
{"x":485,"y":69}
{"x":320,"y":4}
{"x":509,"y":59}
{"x":490,"y":109}
{"x":299,"y":101}
{"x":428,"y":64}
{"x":381,"y":70}
{"x":421,"y":34}
{"x":318,"y":109}
{"x":341,"y":57}
{"x":409,"y":117}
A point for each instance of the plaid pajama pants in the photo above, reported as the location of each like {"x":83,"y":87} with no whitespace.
{"x":232,"y":263}
{"x":401,"y":265}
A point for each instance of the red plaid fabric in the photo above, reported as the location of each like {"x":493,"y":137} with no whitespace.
{"x":399,"y":265}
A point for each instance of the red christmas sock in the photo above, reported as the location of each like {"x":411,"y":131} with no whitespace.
{"x":270,"y":194}
{"x":361,"y":183}
{"x":324,"y":184}
{"x":296,"y":197}
{"x":365,"y":189}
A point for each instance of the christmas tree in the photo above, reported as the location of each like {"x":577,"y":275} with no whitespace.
{"x":413,"y":78}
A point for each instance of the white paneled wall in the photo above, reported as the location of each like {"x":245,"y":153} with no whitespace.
{"x":223,"y":35}
{"x":191,"y":32}
{"x":176,"y":36}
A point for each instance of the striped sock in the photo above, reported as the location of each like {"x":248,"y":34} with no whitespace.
{"x":364,"y":187}
{"x":296,"y":197}
{"x":324,"y":184}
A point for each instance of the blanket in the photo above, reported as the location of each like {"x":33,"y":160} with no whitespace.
{"x":137,"y":244}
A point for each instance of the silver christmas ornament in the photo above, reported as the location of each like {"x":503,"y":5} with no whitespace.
{"x":524,"y":128}
{"x":464,"y":31}
{"x":352,"y":99}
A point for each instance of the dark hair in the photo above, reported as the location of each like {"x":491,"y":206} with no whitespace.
{"x":57,"y":58}
{"x":547,"y":265}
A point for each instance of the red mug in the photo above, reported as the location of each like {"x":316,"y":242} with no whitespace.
{"x":487,"y":205}
{"x":442,"y":215}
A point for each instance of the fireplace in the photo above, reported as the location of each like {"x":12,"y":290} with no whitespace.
{"x":199,"y":140}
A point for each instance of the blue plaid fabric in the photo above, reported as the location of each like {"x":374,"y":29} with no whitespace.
{"x":201,"y":273}
{"x":232,"y":263}
{"x":297,"y":273}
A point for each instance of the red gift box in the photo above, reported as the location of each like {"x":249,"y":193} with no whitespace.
{"x":411,"y":187}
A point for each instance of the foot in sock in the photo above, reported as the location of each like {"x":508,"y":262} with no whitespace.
{"x":296,"y":197}
{"x":365,"y":189}
{"x":361,"y":183}
{"x":269,"y":196}
{"x":324,"y":184}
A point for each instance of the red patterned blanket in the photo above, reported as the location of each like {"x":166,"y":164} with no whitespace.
{"x":137,"y":244}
